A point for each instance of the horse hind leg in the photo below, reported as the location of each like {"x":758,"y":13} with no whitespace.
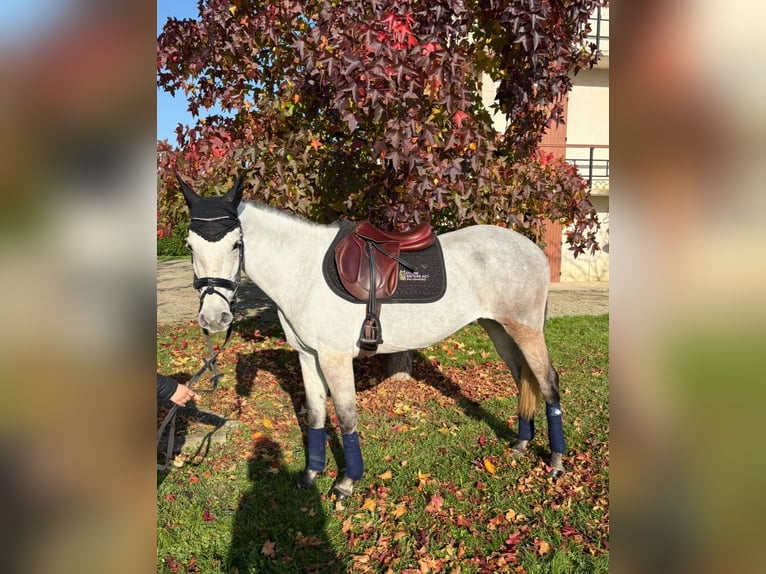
{"x":536,"y":378}
{"x":529,"y":391}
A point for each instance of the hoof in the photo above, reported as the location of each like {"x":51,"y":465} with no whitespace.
{"x":520,"y":448}
{"x":338,"y":493}
{"x":557,"y":465}
{"x":306,"y":478}
{"x":342,"y":489}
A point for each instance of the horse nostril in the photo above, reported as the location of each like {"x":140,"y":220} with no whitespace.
{"x":226,"y":318}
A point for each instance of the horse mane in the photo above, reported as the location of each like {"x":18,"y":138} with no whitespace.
{"x":285,"y":214}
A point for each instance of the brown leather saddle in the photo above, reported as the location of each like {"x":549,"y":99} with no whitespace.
{"x":368,"y":261}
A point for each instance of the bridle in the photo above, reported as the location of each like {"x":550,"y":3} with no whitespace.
{"x":206,"y":286}
{"x":211,"y":284}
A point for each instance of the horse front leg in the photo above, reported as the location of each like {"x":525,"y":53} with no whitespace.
{"x":338,"y":373}
{"x":316,"y":407}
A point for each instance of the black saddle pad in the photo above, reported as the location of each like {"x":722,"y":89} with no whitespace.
{"x":425,"y":283}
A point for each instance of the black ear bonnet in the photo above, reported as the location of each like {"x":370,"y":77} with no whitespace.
{"x":212,"y":217}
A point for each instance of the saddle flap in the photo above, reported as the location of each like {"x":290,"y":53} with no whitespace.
{"x":353,"y":263}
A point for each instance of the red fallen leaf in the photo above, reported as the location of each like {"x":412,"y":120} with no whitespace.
{"x":207,"y":517}
{"x":434,"y":504}
{"x":513,"y":540}
{"x":170,"y":497}
{"x":568,"y":531}
{"x":481,"y":486}
{"x":482,"y":441}
{"x":173,"y":564}
{"x":194,"y":479}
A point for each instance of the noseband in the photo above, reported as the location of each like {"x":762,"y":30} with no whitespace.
{"x":210,"y":285}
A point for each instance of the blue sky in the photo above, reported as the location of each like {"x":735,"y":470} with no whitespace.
{"x":172,"y":111}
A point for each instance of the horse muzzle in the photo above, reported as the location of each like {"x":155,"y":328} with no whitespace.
{"x":216,"y":321}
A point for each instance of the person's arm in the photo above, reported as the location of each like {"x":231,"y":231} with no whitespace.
{"x":166,"y":386}
{"x":169,"y":390}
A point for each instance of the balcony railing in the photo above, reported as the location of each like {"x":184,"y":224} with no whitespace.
{"x":591,"y":161}
{"x":600,"y":30}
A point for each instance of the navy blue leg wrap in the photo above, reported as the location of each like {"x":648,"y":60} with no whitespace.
{"x":555,"y":430}
{"x":316,"y":448}
{"x":353,"y":453}
{"x":526,"y":428}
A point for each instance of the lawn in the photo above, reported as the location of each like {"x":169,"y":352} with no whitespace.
{"x":441,"y":492}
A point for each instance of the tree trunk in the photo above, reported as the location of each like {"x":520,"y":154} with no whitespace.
{"x":398,"y":365}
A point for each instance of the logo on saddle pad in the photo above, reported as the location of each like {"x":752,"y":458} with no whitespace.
{"x":406,"y":275}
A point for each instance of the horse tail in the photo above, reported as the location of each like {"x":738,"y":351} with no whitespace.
{"x":529,"y":392}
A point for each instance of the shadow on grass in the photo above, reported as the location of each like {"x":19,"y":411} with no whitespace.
{"x":284,"y":365}
{"x":425,"y":371}
{"x":278,"y":527}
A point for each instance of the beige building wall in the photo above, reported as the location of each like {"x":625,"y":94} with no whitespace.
{"x":588,"y":125}
{"x":488,"y":91}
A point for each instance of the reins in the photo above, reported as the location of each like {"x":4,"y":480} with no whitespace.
{"x":209,"y":284}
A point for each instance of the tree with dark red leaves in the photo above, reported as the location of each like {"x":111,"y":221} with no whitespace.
{"x":372,"y":109}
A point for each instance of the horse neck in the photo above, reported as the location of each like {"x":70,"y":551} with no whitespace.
{"x":279,"y":248}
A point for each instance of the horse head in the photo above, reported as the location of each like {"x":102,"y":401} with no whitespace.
{"x":215,"y":241}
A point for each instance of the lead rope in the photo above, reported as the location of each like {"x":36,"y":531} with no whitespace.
{"x":169,"y":422}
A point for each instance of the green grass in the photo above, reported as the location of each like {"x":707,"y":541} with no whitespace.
{"x":173,"y":257}
{"x":441,"y":492}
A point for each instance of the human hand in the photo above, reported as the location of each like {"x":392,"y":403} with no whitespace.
{"x":182,"y":395}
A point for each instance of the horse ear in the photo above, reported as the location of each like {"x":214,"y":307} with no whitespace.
{"x":189,"y":195}
{"x":234,"y":195}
